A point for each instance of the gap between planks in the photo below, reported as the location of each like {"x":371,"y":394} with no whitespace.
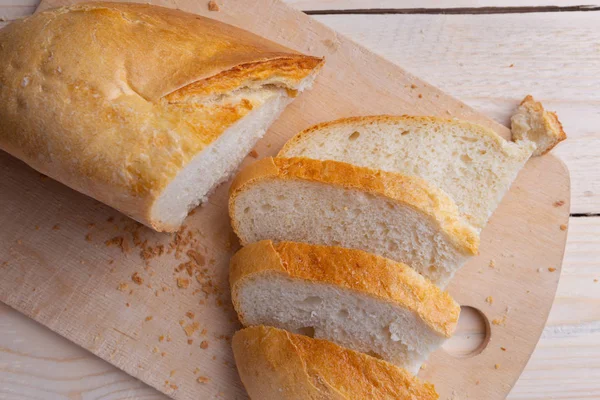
{"x":456,"y":10}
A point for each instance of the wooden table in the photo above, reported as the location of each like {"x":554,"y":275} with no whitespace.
{"x":488,"y":53}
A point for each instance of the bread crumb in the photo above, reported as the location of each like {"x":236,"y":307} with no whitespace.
{"x":196,"y":257}
{"x":423,"y":367}
{"x":497,"y":366}
{"x":137,"y":278}
{"x":88,"y":238}
{"x":420,"y":96}
{"x":191,"y":328}
{"x":155,"y":349}
{"x":558,"y":203}
{"x":190,"y":315}
{"x":173,"y":386}
{"x":213,"y":6}
{"x":123,"y":287}
{"x":148,"y":318}
{"x":37,"y":227}
{"x":183,"y":283}
{"x":477,"y":382}
{"x":203,"y":332}
{"x":169,"y":338}
{"x":119,"y":241}
{"x":56,"y":227}
{"x":127,"y":304}
{"x":503,"y":348}
{"x":203,"y":379}
{"x":161,"y":338}
{"x":499,"y":321}
{"x":204,"y":345}
{"x":413,"y":86}
{"x":563,"y":227}
{"x":190,"y":341}
{"x":511,"y":65}
{"x":492,"y":263}
{"x":489,"y":300}
{"x":551,"y":269}
{"x":172,"y":374}
{"x":163,"y":354}
{"x":254,"y":154}
{"x":595,"y":280}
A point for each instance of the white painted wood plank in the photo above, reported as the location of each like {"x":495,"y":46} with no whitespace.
{"x":428,"y":4}
{"x":35,"y":363}
{"x":492,"y":61}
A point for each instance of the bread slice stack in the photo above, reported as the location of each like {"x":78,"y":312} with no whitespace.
{"x":350,"y":235}
{"x":356,"y":299}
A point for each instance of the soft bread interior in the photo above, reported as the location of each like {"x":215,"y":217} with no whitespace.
{"x":219,"y":160}
{"x":317,"y":213}
{"x":474,"y":166}
{"x":351,"y":319}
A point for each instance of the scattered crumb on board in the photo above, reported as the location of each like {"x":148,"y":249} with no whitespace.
{"x":559,"y":203}
{"x":213,"y":6}
{"x":489,"y":300}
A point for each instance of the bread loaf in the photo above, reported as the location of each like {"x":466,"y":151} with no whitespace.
{"x":144,"y":108}
{"x":358,"y":300}
{"x":336,"y":204}
{"x":278,"y":365}
{"x":472,"y":164}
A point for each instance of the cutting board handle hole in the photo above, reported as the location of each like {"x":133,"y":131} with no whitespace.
{"x":472,"y":334}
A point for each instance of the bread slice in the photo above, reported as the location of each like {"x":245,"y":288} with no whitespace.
{"x":277,"y":365}
{"x":472,"y":164}
{"x":531,"y":122}
{"x":338,"y":204}
{"x":358,"y":300}
{"x":144,"y":108}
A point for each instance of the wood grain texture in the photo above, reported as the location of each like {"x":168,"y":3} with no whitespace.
{"x":501,"y":108}
{"x":36,"y":363}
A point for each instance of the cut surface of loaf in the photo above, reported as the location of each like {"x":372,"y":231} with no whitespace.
{"x":337,"y":204}
{"x":356,"y":299}
{"x":532,"y":123}
{"x":472,"y":164}
{"x":277,"y":365}
{"x":144,"y":108}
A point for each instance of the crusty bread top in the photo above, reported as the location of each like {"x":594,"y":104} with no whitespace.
{"x":350,"y":269}
{"x":373,"y":119}
{"x":533,"y":122}
{"x":278,"y":365}
{"x":114,"y":99}
{"x":410,"y":191}
{"x":152,"y":50}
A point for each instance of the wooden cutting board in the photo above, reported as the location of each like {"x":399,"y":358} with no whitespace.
{"x":76,"y":266}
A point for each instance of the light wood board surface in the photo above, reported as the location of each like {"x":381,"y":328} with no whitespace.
{"x":556,"y":357}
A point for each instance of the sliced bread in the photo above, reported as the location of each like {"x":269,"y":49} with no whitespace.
{"x":277,"y":365}
{"x":356,"y":299}
{"x":472,"y":164}
{"x":334,"y":203}
{"x":531,"y":122}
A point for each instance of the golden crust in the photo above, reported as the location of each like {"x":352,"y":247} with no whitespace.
{"x":373,"y":119}
{"x":410,"y":191}
{"x":108,"y":97}
{"x":549,"y":120}
{"x":351,"y":269}
{"x":277,"y":365}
